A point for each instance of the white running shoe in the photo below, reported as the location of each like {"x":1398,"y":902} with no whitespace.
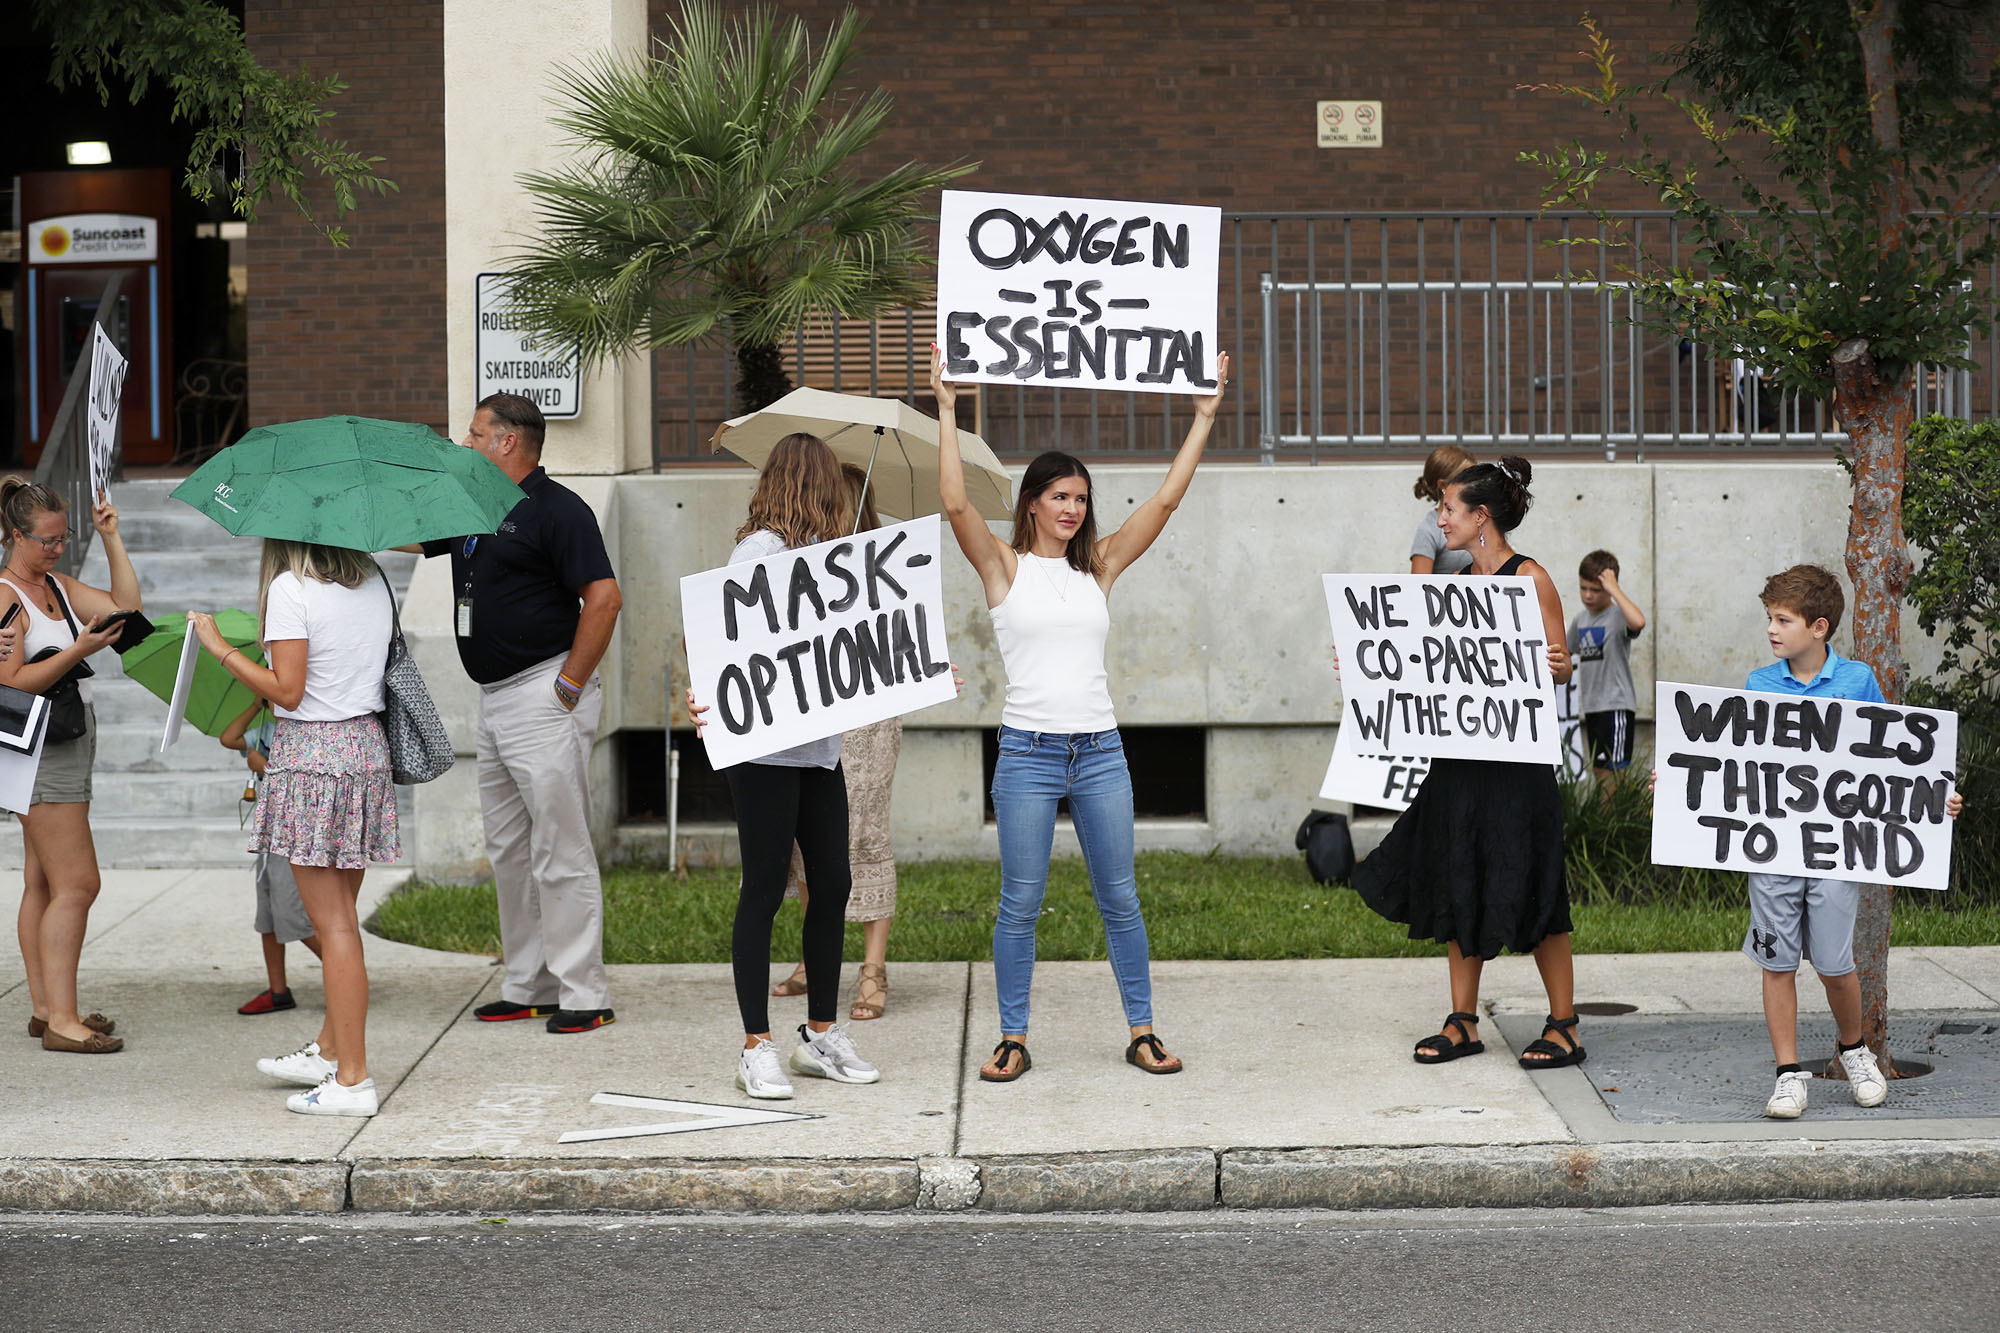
{"x":302,"y":1066}
{"x":1788,"y":1099}
{"x":759,"y":1073}
{"x":831,"y":1054}
{"x":333,"y":1097}
{"x":1864,"y":1076}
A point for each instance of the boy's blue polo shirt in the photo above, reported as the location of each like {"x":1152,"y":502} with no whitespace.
{"x":1840,"y":678}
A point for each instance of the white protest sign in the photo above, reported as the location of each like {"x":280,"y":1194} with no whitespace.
{"x":812,"y":642}
{"x":1444,"y":666}
{"x":1088,"y":293}
{"x":509,"y":357}
{"x":1788,"y":785}
{"x":1388,"y":782}
{"x":107,"y":390}
{"x":183,"y":683}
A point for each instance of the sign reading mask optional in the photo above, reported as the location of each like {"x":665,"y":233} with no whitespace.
{"x":511,"y":356}
{"x":93,"y":238}
{"x":107,"y":390}
{"x":1084,"y":293}
{"x":809,"y":643}
{"x":1793,"y":786}
{"x":1444,"y":666}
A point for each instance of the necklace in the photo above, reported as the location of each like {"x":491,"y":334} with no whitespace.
{"x":1061,"y":590}
{"x":41,"y":596}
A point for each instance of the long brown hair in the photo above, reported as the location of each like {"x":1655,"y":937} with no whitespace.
{"x":800,"y":494}
{"x":860,"y":496}
{"x":1044,"y":472}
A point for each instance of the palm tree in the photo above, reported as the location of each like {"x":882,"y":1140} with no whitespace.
{"x":713,"y":199}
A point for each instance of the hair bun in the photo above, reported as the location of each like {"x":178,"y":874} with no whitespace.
{"x":1517,"y":469}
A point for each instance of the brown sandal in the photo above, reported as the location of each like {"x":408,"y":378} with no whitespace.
{"x":1002,"y":1053}
{"x":871,"y":997}
{"x":95,"y":1044}
{"x":1160,"y":1063}
{"x":795,"y":984}
{"x":95,"y":1022}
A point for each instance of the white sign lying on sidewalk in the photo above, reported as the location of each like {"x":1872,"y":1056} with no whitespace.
{"x":709,"y":1115}
{"x":812,"y":642}
{"x":1788,"y":785}
{"x":1444,"y":666}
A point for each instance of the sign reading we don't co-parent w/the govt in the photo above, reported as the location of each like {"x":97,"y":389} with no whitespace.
{"x":1795,"y":786}
{"x":1083,"y":293}
{"x":1445,"y":667}
{"x":812,"y":642}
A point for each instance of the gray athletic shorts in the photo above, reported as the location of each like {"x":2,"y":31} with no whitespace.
{"x":1794,"y":915}
{"x":280,"y":911}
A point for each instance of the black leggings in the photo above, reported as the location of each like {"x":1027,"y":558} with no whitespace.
{"x":775,"y":807}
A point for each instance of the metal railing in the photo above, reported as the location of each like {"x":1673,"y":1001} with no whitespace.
{"x":64,"y":465}
{"x":1386,"y":334}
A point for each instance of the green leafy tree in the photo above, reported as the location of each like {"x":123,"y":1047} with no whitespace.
{"x":256,"y":131}
{"x":713,"y":199}
{"x":1845,"y":146}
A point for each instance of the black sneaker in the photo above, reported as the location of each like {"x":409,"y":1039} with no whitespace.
{"x":506,"y":1011}
{"x":580,"y":1020}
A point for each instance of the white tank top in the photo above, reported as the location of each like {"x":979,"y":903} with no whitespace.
{"x":1051,"y":627}
{"x":44,"y":630}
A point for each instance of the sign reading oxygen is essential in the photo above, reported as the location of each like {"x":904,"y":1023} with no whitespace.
{"x":1794,"y":786}
{"x":812,"y":642}
{"x":1085,"y":293}
{"x":1444,"y":666}
{"x":509,"y":356}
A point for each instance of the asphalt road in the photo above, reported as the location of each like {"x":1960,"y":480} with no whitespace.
{"x":1784,"y":1266}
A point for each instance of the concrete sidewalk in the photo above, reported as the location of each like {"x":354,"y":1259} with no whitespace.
{"x":1299,"y":1090}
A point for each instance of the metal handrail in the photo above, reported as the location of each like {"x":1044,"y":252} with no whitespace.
{"x":64,"y":465}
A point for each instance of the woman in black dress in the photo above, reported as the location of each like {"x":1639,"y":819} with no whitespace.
{"x":1476,"y":862}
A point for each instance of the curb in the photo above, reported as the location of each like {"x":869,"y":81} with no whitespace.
{"x":1554,"y":1175}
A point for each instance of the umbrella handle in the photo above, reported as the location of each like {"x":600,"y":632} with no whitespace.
{"x":867,"y":480}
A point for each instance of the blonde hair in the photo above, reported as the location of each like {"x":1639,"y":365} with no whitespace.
{"x":310,"y":560}
{"x":860,"y":496}
{"x":800,"y":494}
{"x":22,"y":502}
{"x":1445,"y":462}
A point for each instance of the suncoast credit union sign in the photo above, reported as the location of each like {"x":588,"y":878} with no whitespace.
{"x":512,"y":359}
{"x":93,"y":238}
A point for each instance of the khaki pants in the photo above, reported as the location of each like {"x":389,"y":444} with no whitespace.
{"x":534,"y":794}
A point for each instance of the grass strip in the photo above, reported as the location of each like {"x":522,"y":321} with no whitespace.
{"x":1197,"y":907}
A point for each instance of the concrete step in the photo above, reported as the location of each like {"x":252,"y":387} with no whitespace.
{"x":196,"y":795}
{"x":135,"y":747}
{"x":135,"y":842}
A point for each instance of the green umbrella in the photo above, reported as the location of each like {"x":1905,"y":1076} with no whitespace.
{"x":215,"y":697}
{"x":350,"y":481}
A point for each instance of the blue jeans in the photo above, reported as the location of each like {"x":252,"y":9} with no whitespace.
{"x":1036,"y":769}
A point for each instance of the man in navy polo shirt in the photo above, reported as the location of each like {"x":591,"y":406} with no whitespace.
{"x":534,"y":605}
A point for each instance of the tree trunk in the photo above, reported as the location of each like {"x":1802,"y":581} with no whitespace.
{"x":1875,"y":410}
{"x":760,"y":376}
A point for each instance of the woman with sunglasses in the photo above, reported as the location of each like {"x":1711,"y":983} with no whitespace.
{"x":62,"y":621}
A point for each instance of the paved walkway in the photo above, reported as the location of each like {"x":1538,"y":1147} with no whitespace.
{"x":1299,"y":1089}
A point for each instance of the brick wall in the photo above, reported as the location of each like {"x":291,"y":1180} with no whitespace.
{"x":360,"y":329}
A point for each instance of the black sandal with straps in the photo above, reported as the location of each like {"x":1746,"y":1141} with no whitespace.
{"x":1162,"y":1063}
{"x":1007,"y":1075}
{"x":1443,"y":1048}
{"x":1554,"y":1056}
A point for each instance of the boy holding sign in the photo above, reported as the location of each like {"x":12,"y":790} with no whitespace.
{"x":1802,"y":916}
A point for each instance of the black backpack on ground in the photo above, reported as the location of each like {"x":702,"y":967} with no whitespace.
{"x":1328,"y":846}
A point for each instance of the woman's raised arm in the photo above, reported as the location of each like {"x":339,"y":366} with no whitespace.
{"x":991,"y":557}
{"x":1123,"y":547}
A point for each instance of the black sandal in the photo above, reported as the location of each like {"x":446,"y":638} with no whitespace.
{"x":1557,"y":1057}
{"x":1008,"y":1075}
{"x":1443,"y":1048}
{"x":1159,"y":1053}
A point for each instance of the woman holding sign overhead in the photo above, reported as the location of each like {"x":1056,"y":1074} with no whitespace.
{"x":1048,"y":593}
{"x":1476,"y":862}
{"x":63,"y":621}
{"x":794,"y":796}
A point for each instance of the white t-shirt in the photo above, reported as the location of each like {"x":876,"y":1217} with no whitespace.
{"x":347,"y":643}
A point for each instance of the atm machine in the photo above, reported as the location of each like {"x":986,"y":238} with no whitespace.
{"x":77,"y":228}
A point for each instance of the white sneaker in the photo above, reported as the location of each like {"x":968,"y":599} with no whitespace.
{"x":759,"y":1073}
{"x":1788,"y":1099}
{"x":831,"y":1054}
{"x":332,"y":1097}
{"x":302,"y":1066}
{"x":1864,"y":1076}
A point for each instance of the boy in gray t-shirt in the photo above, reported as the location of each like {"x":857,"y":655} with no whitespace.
{"x":1600,"y":642}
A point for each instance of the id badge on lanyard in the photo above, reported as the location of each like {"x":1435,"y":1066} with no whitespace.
{"x":464,"y":605}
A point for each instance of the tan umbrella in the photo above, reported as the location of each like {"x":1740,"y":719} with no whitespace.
{"x":892,"y":441}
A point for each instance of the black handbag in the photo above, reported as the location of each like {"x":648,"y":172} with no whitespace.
{"x":1328,"y":845}
{"x":67,"y":720}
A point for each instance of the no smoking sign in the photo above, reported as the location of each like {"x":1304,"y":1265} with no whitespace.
{"x":1350,"y":124}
